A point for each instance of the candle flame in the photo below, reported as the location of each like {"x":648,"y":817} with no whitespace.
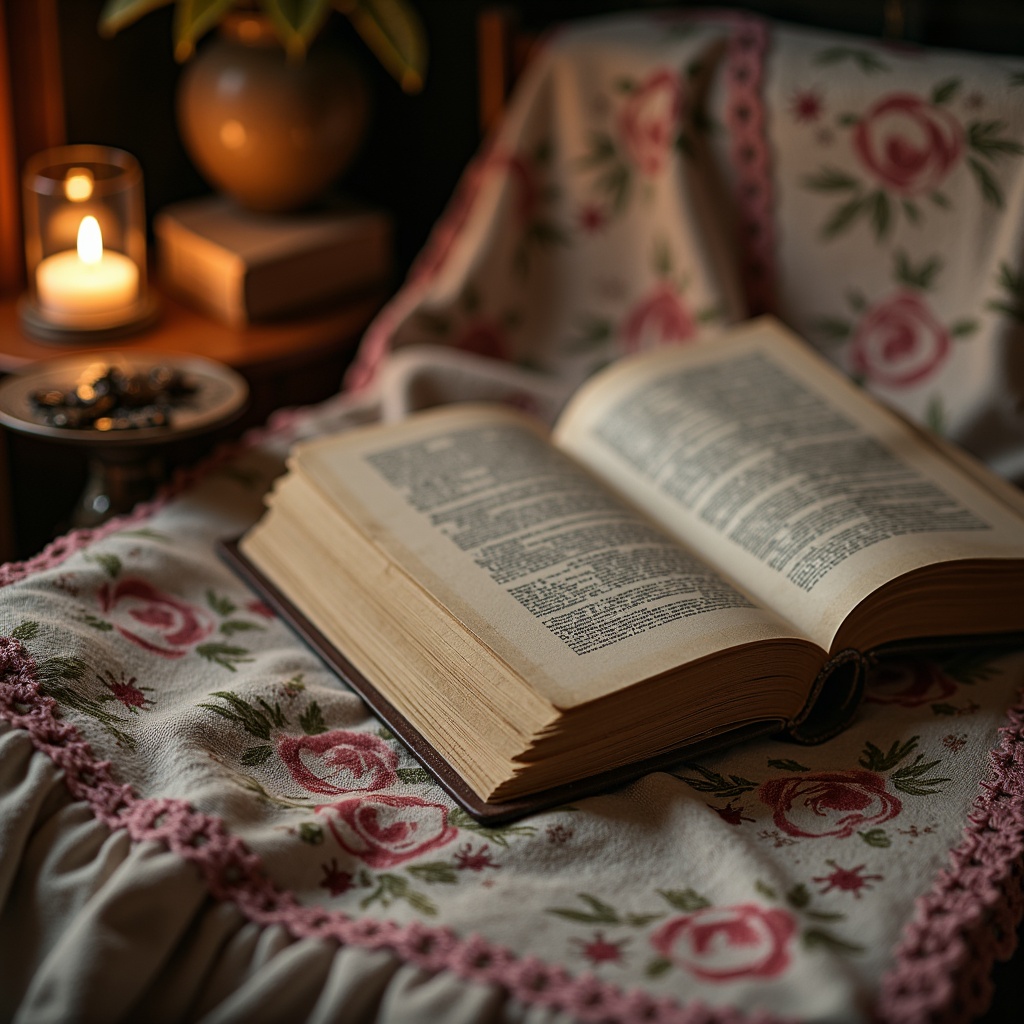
{"x":90,"y":241}
{"x":78,"y":184}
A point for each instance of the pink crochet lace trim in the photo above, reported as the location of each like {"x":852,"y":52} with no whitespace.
{"x":970,"y":917}
{"x":751,"y":158}
{"x":233,"y":872}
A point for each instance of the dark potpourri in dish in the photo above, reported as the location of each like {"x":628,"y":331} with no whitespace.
{"x":109,"y":398}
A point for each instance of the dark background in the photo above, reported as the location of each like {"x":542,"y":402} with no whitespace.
{"x":120,"y":91}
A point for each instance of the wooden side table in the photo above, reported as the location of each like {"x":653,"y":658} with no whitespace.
{"x":293,"y":362}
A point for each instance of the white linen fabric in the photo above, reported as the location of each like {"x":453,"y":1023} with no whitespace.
{"x":199,"y":822}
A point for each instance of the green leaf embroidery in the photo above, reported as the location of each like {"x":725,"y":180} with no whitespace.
{"x":223,"y":606}
{"x":435,"y":872}
{"x":881,"y":214}
{"x":844,"y":216}
{"x":712,"y":782}
{"x":766,"y":890}
{"x":686,"y":900}
{"x":58,"y":677}
{"x":312,"y":720}
{"x":798,"y":896}
{"x":656,"y":968}
{"x":911,"y":210}
{"x":787,"y":764}
{"x":311,"y":833}
{"x":986,"y":138}
{"x":257,"y":755}
{"x":233,"y":626}
{"x":61,"y":669}
{"x":394,"y":887}
{"x":873,"y":759}
{"x":414,"y":776}
{"x":911,"y":779}
{"x":1013,"y":284}
{"x":256,"y":722}
{"x":27,"y":630}
{"x":921,"y":276}
{"x":599,"y":912}
{"x":989,"y":186}
{"x":876,"y":837}
{"x":830,"y":179}
{"x":88,"y":619}
{"x":969,"y":667}
{"x":814,"y":938}
{"x":831,"y":328}
{"x":945,"y":91}
{"x":963,"y":328}
{"x":935,"y":415}
{"x":499,"y":835}
{"x":108,"y":562}
{"x":940,"y":199}
{"x":944,"y":709}
{"x":224,"y":655}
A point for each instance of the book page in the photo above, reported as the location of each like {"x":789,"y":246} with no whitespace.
{"x":756,"y":452}
{"x":569,"y":585}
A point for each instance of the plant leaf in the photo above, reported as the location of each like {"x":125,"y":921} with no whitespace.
{"x":393,"y":31}
{"x":297,"y":22}
{"x":192,"y":20}
{"x":787,"y":764}
{"x":412,"y":776}
{"x":118,"y":14}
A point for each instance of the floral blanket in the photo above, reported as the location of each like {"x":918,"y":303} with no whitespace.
{"x":199,"y":822}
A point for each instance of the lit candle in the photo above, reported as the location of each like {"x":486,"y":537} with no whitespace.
{"x":90,"y":286}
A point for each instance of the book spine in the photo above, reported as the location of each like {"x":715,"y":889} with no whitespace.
{"x":833,"y":700}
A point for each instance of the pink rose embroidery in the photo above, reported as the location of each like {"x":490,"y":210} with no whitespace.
{"x":648,"y":121}
{"x":899,"y":342}
{"x":725,"y":943}
{"x":160,"y":623}
{"x":829,"y":803}
{"x":660,"y":318}
{"x":909,"y":684}
{"x":483,"y":337}
{"x":384,"y":830}
{"x":339,"y":762}
{"x":908,"y":144}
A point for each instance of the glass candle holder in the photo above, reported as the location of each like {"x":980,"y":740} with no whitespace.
{"x":85,"y":244}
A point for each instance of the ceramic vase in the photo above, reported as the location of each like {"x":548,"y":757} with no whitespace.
{"x":271,"y":131}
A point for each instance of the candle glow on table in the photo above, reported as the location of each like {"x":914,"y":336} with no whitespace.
{"x":90,"y":286}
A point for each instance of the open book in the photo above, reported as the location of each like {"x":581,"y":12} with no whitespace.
{"x":698,"y":552}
